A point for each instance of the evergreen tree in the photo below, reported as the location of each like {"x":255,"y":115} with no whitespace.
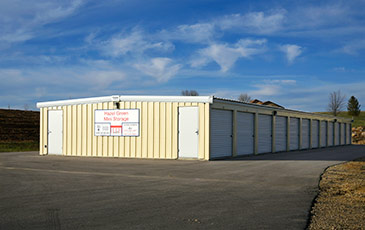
{"x":353,"y":106}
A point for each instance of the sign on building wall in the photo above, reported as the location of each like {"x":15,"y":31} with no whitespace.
{"x":117,"y":122}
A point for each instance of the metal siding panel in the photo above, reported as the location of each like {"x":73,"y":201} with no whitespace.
{"x":150,"y":130}
{"x":168,"y":153}
{"x":105,"y":139}
{"x":83,"y":130}
{"x":79,"y":131}
{"x":162,"y":130}
{"x":99,"y":138}
{"x":280,"y":133}
{"x":110,"y":151}
{"x":156,"y":129}
{"x":221,"y":133}
{"x":69,"y":130}
{"x":64,"y":130}
{"x":315,"y":134}
{"x":144,"y":129}
{"x":245,"y":133}
{"x":74,"y":130}
{"x":264,"y":133}
{"x":294,"y":133}
{"x":90,"y":132}
{"x":115,"y":141}
{"x":305,"y":133}
{"x":330,"y":134}
{"x":133,"y":139}
{"x":342,"y":134}
{"x":139,"y":138}
{"x":207,"y":131}
{"x":337,"y":133}
{"x":348,"y":133}
{"x":323,"y":133}
{"x":127,"y":140}
{"x":174,"y":130}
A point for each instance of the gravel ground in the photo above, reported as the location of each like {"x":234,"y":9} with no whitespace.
{"x":341,"y":200}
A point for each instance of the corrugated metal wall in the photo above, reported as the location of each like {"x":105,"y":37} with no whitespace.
{"x":323,"y":133}
{"x":305,"y":133}
{"x":158,"y":131}
{"x":294,"y":133}
{"x":265,"y":133}
{"x":337,"y":133}
{"x":221,"y":135}
{"x":245,"y":133}
{"x":330,"y":134}
{"x":342,"y":133}
{"x":315,"y":134}
{"x":280,"y":133}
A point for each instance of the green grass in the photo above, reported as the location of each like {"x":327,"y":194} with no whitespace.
{"x":19,"y":146}
{"x":358,"y":121}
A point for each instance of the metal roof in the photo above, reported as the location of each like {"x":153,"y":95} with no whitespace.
{"x":117,"y":98}
{"x":273,"y":108}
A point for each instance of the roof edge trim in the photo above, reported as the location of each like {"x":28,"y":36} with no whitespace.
{"x":117,"y":98}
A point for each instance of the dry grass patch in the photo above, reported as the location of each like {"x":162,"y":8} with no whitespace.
{"x":341,"y":200}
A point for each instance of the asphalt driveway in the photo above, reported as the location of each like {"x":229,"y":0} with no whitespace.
{"x":272,"y":191}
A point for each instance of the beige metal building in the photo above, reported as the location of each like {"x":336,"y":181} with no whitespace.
{"x":170,"y":127}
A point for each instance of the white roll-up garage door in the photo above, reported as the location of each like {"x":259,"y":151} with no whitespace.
{"x":245,"y":133}
{"x":220,"y":133}
{"x":305,"y":134}
{"x":342,"y":133}
{"x":323,"y":133}
{"x":294,"y":133}
{"x":280,"y":133}
{"x":337,"y":133}
{"x":330,"y":133}
{"x":315,"y":134}
{"x":348,"y":133}
{"x":264,"y":132}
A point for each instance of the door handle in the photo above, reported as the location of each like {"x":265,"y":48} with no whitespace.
{"x":197,"y":132}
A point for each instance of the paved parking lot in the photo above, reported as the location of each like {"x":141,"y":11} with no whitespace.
{"x":272,"y":191}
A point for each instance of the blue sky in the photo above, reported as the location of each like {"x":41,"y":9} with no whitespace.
{"x":291,"y":52}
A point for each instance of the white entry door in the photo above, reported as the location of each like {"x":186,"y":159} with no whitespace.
{"x":188,"y":132}
{"x":55,"y":132}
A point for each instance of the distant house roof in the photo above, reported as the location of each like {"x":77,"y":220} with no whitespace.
{"x":269,"y":103}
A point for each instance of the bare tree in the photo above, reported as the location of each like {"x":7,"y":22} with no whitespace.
{"x":189,"y":93}
{"x":336,"y":103}
{"x":244,"y":97}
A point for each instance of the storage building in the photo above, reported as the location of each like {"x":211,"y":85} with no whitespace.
{"x":175,"y":127}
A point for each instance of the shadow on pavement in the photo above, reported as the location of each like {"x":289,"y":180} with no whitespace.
{"x":338,"y":153}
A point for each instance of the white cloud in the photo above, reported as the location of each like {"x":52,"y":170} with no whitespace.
{"x":133,"y":43}
{"x":195,"y":33}
{"x":225,"y":55}
{"x":354,"y":47}
{"x":160,"y":68}
{"x":283,"y":82}
{"x":291,"y":52}
{"x":20,"y":20}
{"x":254,"y":22}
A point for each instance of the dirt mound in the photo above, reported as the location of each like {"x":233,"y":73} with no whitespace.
{"x":341,"y":200}
{"x":19,"y":125}
{"x":358,"y":135}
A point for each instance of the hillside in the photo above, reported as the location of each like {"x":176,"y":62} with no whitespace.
{"x":19,"y":130}
{"x":358,"y":121}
